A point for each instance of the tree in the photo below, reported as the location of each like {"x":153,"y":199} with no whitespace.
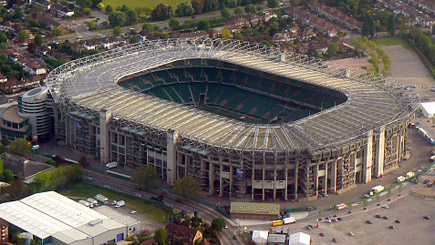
{"x":218,"y":224}
{"x":18,"y":14}
{"x":162,"y":12}
{"x":320,"y":212}
{"x":130,"y":17}
{"x":225,"y":12}
{"x":187,"y":186}
{"x":147,"y":27}
{"x":117,"y":18}
{"x":91,"y":25}
{"x":272,"y":3}
{"x":109,"y":9}
{"x":250,"y":8}
{"x":332,"y":49}
{"x":391,"y":24}
{"x":146,"y":175}
{"x":20,"y":147}
{"x":365,"y":202}
{"x":174,"y":23}
{"x":38,"y":40}
{"x":87,"y":11}
{"x":203,"y":25}
{"x":239,"y":11}
{"x":2,"y":163}
{"x":83,"y":161}
{"x":161,"y":236}
{"x":226,"y":33}
{"x":3,"y":38}
{"x":57,"y":32}
{"x":184,"y":9}
{"x":2,"y":148}
{"x":117,"y":31}
{"x":8,"y":176}
{"x":23,"y":35}
{"x":84,"y":3}
{"x":294,"y":3}
{"x":198,"y":6}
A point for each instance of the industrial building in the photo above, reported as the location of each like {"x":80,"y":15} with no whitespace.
{"x":242,"y":119}
{"x":56,"y":219}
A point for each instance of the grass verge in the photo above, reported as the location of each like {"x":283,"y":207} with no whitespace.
{"x":153,"y":210}
{"x":390,"y":41}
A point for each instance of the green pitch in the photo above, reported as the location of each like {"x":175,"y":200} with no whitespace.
{"x":143,"y":3}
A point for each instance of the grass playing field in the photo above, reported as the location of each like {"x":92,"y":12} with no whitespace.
{"x":143,"y":3}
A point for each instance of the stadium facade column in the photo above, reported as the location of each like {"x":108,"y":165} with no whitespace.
{"x":171,"y":140}
{"x":274,"y":183}
{"x":334,"y":175}
{"x":231,"y":177}
{"x":263,"y":198}
{"x":325,"y":178}
{"x":68,"y":134}
{"x":296,"y":180}
{"x":211,"y":178}
{"x":367,"y":165}
{"x":105,"y":116}
{"x":316,"y":177}
{"x":380,"y":153}
{"x":286,"y":181}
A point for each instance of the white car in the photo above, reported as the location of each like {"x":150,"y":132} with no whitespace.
{"x":351,"y":233}
{"x":133,"y":211}
{"x":386,"y":206}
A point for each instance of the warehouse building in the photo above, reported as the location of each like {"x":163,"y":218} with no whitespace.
{"x":53,"y":218}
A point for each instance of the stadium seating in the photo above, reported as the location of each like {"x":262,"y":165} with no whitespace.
{"x":226,"y":85}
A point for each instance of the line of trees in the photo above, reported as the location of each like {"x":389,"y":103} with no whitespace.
{"x":423,"y":42}
{"x":164,"y":12}
{"x":57,"y":178}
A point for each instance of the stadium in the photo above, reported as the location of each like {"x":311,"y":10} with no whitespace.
{"x":243,"y":119}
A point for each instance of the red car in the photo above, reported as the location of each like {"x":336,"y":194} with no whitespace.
{"x":334,"y":239}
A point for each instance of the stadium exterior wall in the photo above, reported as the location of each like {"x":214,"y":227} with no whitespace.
{"x":265,"y":175}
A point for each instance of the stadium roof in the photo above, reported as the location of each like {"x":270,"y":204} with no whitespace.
{"x":254,"y":208}
{"x":51,"y":214}
{"x":89,"y":85}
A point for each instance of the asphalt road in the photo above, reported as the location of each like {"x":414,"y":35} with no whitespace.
{"x":205,"y":212}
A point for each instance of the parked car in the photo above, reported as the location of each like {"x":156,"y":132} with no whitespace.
{"x":397,"y":221}
{"x":309,"y":227}
{"x":351,"y":233}
{"x":385,"y":217}
{"x":378,"y":216}
{"x":339,"y":218}
{"x":133,"y":211}
{"x":334,"y":239}
{"x":425,"y":181}
{"x":368,"y":222}
{"x":321,"y":234}
{"x":386,"y":206}
{"x":427,"y":217}
{"x":391,"y":227}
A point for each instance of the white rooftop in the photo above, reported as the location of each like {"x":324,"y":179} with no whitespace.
{"x":52,"y":214}
{"x":121,"y":218}
{"x":260,"y":236}
{"x":299,"y":238}
{"x":428,"y":108}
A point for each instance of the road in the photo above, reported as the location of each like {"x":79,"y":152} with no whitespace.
{"x":79,"y":25}
{"x":205,"y":212}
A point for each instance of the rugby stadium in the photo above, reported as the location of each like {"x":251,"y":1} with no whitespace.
{"x":243,"y":119}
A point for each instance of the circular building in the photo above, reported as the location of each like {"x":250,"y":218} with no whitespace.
{"x":241,"y":118}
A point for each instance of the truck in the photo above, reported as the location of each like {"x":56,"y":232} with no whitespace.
{"x":341,"y":206}
{"x":101,"y":198}
{"x":378,"y":189}
{"x":111,"y":165}
{"x":120,"y":203}
{"x":84,"y":203}
{"x":277,"y":222}
{"x":289,"y":220}
{"x":93,"y":201}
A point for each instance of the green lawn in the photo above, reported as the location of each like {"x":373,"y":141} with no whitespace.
{"x":151,"y":209}
{"x":389,"y":41}
{"x":143,"y":3}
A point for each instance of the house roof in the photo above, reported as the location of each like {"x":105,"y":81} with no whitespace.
{"x":180,"y":230}
{"x":429,"y":107}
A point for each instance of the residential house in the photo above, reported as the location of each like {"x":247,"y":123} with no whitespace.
{"x":51,"y":24}
{"x":32,"y":66}
{"x":44,"y":3}
{"x":332,"y":32}
{"x":182,"y":234}
{"x":61,"y":11}
{"x":142,"y":35}
{"x":307,"y":34}
{"x":91,"y":44}
{"x":111,"y":42}
{"x":3,"y":78}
